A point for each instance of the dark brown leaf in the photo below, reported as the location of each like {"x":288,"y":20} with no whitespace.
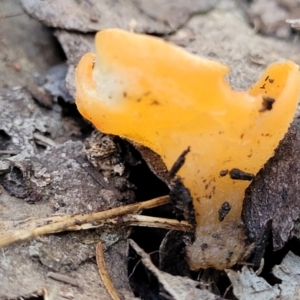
{"x":274,"y":194}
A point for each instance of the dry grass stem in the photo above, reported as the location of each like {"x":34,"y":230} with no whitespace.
{"x":146,"y":221}
{"x":32,"y":228}
{"x":104,"y":274}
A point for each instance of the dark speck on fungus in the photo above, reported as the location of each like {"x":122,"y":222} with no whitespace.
{"x":154,"y":102}
{"x":224,"y":210}
{"x":267,"y":104}
{"x":178,"y":163}
{"x":223,"y":173}
{"x":238,"y":174}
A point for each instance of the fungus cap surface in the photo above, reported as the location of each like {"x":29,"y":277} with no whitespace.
{"x":155,"y":94}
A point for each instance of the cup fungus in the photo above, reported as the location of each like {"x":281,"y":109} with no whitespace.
{"x":158,"y":95}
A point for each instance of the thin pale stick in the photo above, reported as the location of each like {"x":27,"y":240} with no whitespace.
{"x":126,"y":220}
{"x":68,"y":221}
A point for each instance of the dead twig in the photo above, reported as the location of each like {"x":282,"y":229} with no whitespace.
{"x":177,"y":287}
{"x":227,"y":290}
{"x":145,"y":258}
{"x":12,"y":15}
{"x":146,"y":221}
{"x":104,"y":274}
{"x":63,"y":278}
{"x":126,"y":220}
{"x":11,"y":152}
{"x":71,"y":222}
{"x":261,"y":266}
{"x":41,"y":139}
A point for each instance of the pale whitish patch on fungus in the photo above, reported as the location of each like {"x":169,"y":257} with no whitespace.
{"x":159,"y":96}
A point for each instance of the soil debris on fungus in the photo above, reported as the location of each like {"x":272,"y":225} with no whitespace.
{"x":267,"y":104}
{"x":224,"y":210}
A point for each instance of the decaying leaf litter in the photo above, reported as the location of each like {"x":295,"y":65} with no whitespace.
{"x":41,"y":140}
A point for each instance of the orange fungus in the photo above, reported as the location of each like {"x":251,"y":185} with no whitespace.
{"x":158,"y":95}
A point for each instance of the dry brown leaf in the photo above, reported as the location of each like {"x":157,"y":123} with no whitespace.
{"x":248,"y":286}
{"x":180,"y":288}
